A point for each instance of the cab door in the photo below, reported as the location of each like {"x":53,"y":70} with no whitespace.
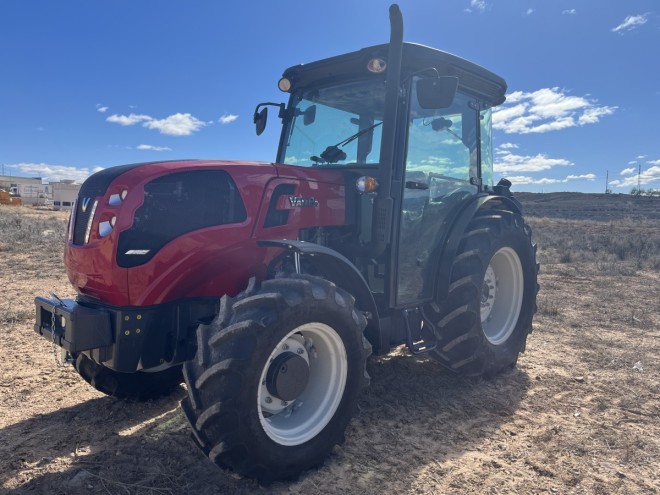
{"x":440,"y":172}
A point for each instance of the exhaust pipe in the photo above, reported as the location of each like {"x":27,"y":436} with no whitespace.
{"x":383,"y":203}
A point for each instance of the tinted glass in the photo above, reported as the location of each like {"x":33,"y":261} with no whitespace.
{"x":348,"y":116}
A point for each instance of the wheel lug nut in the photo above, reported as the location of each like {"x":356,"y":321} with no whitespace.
{"x":268,"y":400}
{"x":284,"y":403}
{"x":300,"y":350}
{"x":285,"y":347}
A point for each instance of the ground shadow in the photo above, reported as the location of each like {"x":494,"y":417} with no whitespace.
{"x":414,"y":411}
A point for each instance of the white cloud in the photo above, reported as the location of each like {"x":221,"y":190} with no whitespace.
{"x":544,"y":110}
{"x":508,"y":146}
{"x":529,"y":12}
{"x":227,"y":118}
{"x":651,"y":174}
{"x":101,"y":108}
{"x":523,"y":179}
{"x":628,"y":171}
{"x":568,"y":11}
{"x":149,"y":147}
{"x":478,"y":5}
{"x":127,"y":120}
{"x":509,"y":162}
{"x":179,"y":124}
{"x":54,"y":173}
{"x":580,"y":177}
{"x":654,"y":162}
{"x":631,"y":22}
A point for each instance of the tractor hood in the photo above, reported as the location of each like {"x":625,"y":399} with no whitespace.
{"x":141,"y":234}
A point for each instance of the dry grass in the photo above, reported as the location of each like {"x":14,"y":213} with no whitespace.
{"x":580,"y":414}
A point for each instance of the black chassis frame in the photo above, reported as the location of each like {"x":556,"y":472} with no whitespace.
{"x":124,"y":339}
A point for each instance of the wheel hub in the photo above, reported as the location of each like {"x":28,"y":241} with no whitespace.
{"x":502,"y":295}
{"x":287,"y":376}
{"x":488,"y":292}
{"x":302,"y":383}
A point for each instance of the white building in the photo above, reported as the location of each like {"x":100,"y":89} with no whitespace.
{"x":31,"y":189}
{"x":65,"y":193}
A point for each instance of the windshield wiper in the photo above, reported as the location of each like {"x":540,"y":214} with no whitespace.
{"x":332,"y":154}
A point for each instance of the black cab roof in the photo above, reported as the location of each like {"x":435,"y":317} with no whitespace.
{"x":472,"y":78}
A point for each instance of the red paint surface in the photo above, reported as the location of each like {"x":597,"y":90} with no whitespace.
{"x":207,"y":262}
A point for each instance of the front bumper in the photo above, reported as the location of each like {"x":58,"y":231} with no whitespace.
{"x":124,"y":339}
{"x":71,"y":326}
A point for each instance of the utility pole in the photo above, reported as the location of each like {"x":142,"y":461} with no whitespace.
{"x":639,"y":175}
{"x":607,"y":180}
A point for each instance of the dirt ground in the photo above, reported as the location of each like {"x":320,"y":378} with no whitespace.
{"x":580,"y":414}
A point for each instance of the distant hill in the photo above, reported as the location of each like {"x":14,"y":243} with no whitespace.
{"x":583,"y":206}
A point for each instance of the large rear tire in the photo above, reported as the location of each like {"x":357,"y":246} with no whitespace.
{"x":483,"y":324}
{"x":138,"y":386}
{"x":276,"y":377}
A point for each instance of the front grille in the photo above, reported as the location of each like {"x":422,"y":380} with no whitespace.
{"x":96,"y":185}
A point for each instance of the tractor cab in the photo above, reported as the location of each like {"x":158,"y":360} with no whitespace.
{"x":410,"y":128}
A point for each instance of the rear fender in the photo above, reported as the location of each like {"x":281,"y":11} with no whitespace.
{"x":485,"y":202}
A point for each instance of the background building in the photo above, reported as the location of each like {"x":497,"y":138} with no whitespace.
{"x":65,"y":193}
{"x":32,"y":191}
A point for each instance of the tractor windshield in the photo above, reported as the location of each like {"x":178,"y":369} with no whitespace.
{"x":335,"y":125}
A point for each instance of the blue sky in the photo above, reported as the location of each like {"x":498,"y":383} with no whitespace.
{"x":88,"y":84}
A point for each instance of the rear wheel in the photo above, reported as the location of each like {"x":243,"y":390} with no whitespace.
{"x":139,"y":386}
{"x":483,"y":324}
{"x":276,"y":377}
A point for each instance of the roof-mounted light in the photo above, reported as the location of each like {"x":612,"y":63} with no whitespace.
{"x":284,"y":84}
{"x":377,"y":65}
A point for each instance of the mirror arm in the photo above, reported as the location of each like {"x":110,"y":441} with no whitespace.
{"x":281,"y":106}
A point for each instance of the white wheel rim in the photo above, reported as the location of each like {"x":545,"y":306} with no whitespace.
{"x":298,"y":421}
{"x":502,"y":295}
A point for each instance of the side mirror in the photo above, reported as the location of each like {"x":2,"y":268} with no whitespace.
{"x":260,"y":119}
{"x":309,"y":115}
{"x":436,"y":92}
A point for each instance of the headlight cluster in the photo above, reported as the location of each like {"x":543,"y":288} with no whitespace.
{"x":105,"y":227}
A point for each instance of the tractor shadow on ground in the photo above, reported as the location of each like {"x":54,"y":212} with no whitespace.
{"x":414,"y":412}
{"x":417,"y":413}
{"x":105,"y":445}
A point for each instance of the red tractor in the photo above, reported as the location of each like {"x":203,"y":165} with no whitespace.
{"x":266,"y":286}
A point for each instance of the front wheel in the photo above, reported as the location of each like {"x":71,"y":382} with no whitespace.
{"x":483,"y":324}
{"x":276,"y":377}
{"x":138,"y":386}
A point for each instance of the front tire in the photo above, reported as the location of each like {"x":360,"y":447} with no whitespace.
{"x":276,"y":377}
{"x":138,"y":386}
{"x":483,"y":324}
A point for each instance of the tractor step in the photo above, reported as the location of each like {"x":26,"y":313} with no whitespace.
{"x":418,"y":346}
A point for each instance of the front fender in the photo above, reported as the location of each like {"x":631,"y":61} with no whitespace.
{"x":339,"y":270}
